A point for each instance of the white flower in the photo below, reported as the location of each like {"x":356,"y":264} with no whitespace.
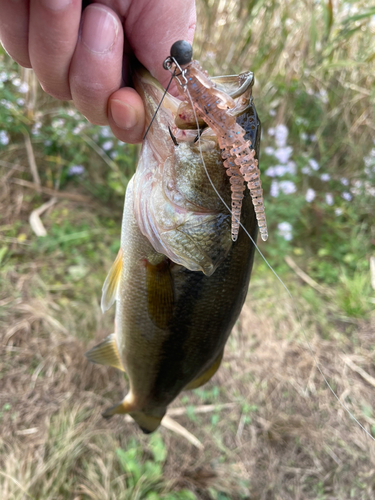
{"x":285,"y":230}
{"x":113,"y":155}
{"x":4,"y":138}
{"x":106,"y":132}
{"x":271,"y":131}
{"x":36,"y":127}
{"x":280,"y":170}
{"x":344,"y":181}
{"x":6,"y":104}
{"x":310,"y":195}
{"x":370,"y":170}
{"x":314,"y":164}
{"x":281,"y":135}
{"x":357,"y":185}
{"x":323,"y":96}
{"x":270,"y":172}
{"x":306,"y":170}
{"x":313,"y":138}
{"x":269,"y":151}
{"x":283,"y":154}
{"x":325,"y":177}
{"x":368,"y":161}
{"x":23,"y":88}
{"x":16,"y":82}
{"x":347,"y":196}
{"x":107,"y":145}
{"x":303,"y":136}
{"x":288,"y":187}
{"x":274,"y":191}
{"x":78,"y":129}
{"x":338,"y":212}
{"x":369,"y":189}
{"x":20,"y":101}
{"x":58,"y":123}
{"x":301,"y":121}
{"x":329,"y":199}
{"x":291,"y":168}
{"x":76,"y":170}
{"x":272,"y":112}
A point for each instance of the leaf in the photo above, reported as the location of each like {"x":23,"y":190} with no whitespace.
{"x":152,"y":470}
{"x":357,"y":17}
{"x":186,"y":495}
{"x":3,"y":251}
{"x":158,"y":448}
{"x":129,"y":462}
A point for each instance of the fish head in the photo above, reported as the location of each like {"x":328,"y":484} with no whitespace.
{"x":180,"y":182}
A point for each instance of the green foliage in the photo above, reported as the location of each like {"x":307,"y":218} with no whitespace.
{"x":145,"y":475}
{"x":354,"y":294}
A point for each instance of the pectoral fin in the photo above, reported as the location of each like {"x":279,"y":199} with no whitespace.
{"x":111,"y":283}
{"x":106,"y":353}
{"x":160,"y":293}
{"x":205,"y":377}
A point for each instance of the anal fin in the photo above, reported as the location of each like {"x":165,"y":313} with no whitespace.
{"x":207,"y":375}
{"x":106,"y":353}
{"x":111,"y":283}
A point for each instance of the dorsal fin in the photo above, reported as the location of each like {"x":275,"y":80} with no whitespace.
{"x":106,"y":353}
{"x":111,"y":284}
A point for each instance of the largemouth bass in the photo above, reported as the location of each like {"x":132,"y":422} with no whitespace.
{"x":179,"y":281}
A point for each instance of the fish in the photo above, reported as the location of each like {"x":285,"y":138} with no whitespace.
{"x":179,"y":281}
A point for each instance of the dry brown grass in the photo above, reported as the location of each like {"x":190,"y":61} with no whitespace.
{"x":286,"y":437}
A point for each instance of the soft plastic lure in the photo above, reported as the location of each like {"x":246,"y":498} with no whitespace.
{"x":212,"y":106}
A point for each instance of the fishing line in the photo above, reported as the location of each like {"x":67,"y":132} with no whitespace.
{"x":295,"y":308}
{"x":157,"y":109}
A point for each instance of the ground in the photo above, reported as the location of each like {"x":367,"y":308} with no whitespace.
{"x":270,"y":427}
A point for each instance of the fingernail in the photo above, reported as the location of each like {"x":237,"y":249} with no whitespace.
{"x":99,"y":29}
{"x":123,"y":115}
{"x":56,"y":4}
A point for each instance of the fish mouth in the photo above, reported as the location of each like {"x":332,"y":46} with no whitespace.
{"x":175,"y":205}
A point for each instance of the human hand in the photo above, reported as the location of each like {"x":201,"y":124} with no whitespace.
{"x":84,"y":56}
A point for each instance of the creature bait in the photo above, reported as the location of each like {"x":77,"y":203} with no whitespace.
{"x":212,"y":106}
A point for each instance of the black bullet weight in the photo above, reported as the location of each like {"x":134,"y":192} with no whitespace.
{"x":182,"y":52}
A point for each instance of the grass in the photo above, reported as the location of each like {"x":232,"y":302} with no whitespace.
{"x":284,"y":435}
{"x":271,"y":428}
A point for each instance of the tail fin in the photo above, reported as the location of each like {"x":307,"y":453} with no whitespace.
{"x":148,"y":423}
